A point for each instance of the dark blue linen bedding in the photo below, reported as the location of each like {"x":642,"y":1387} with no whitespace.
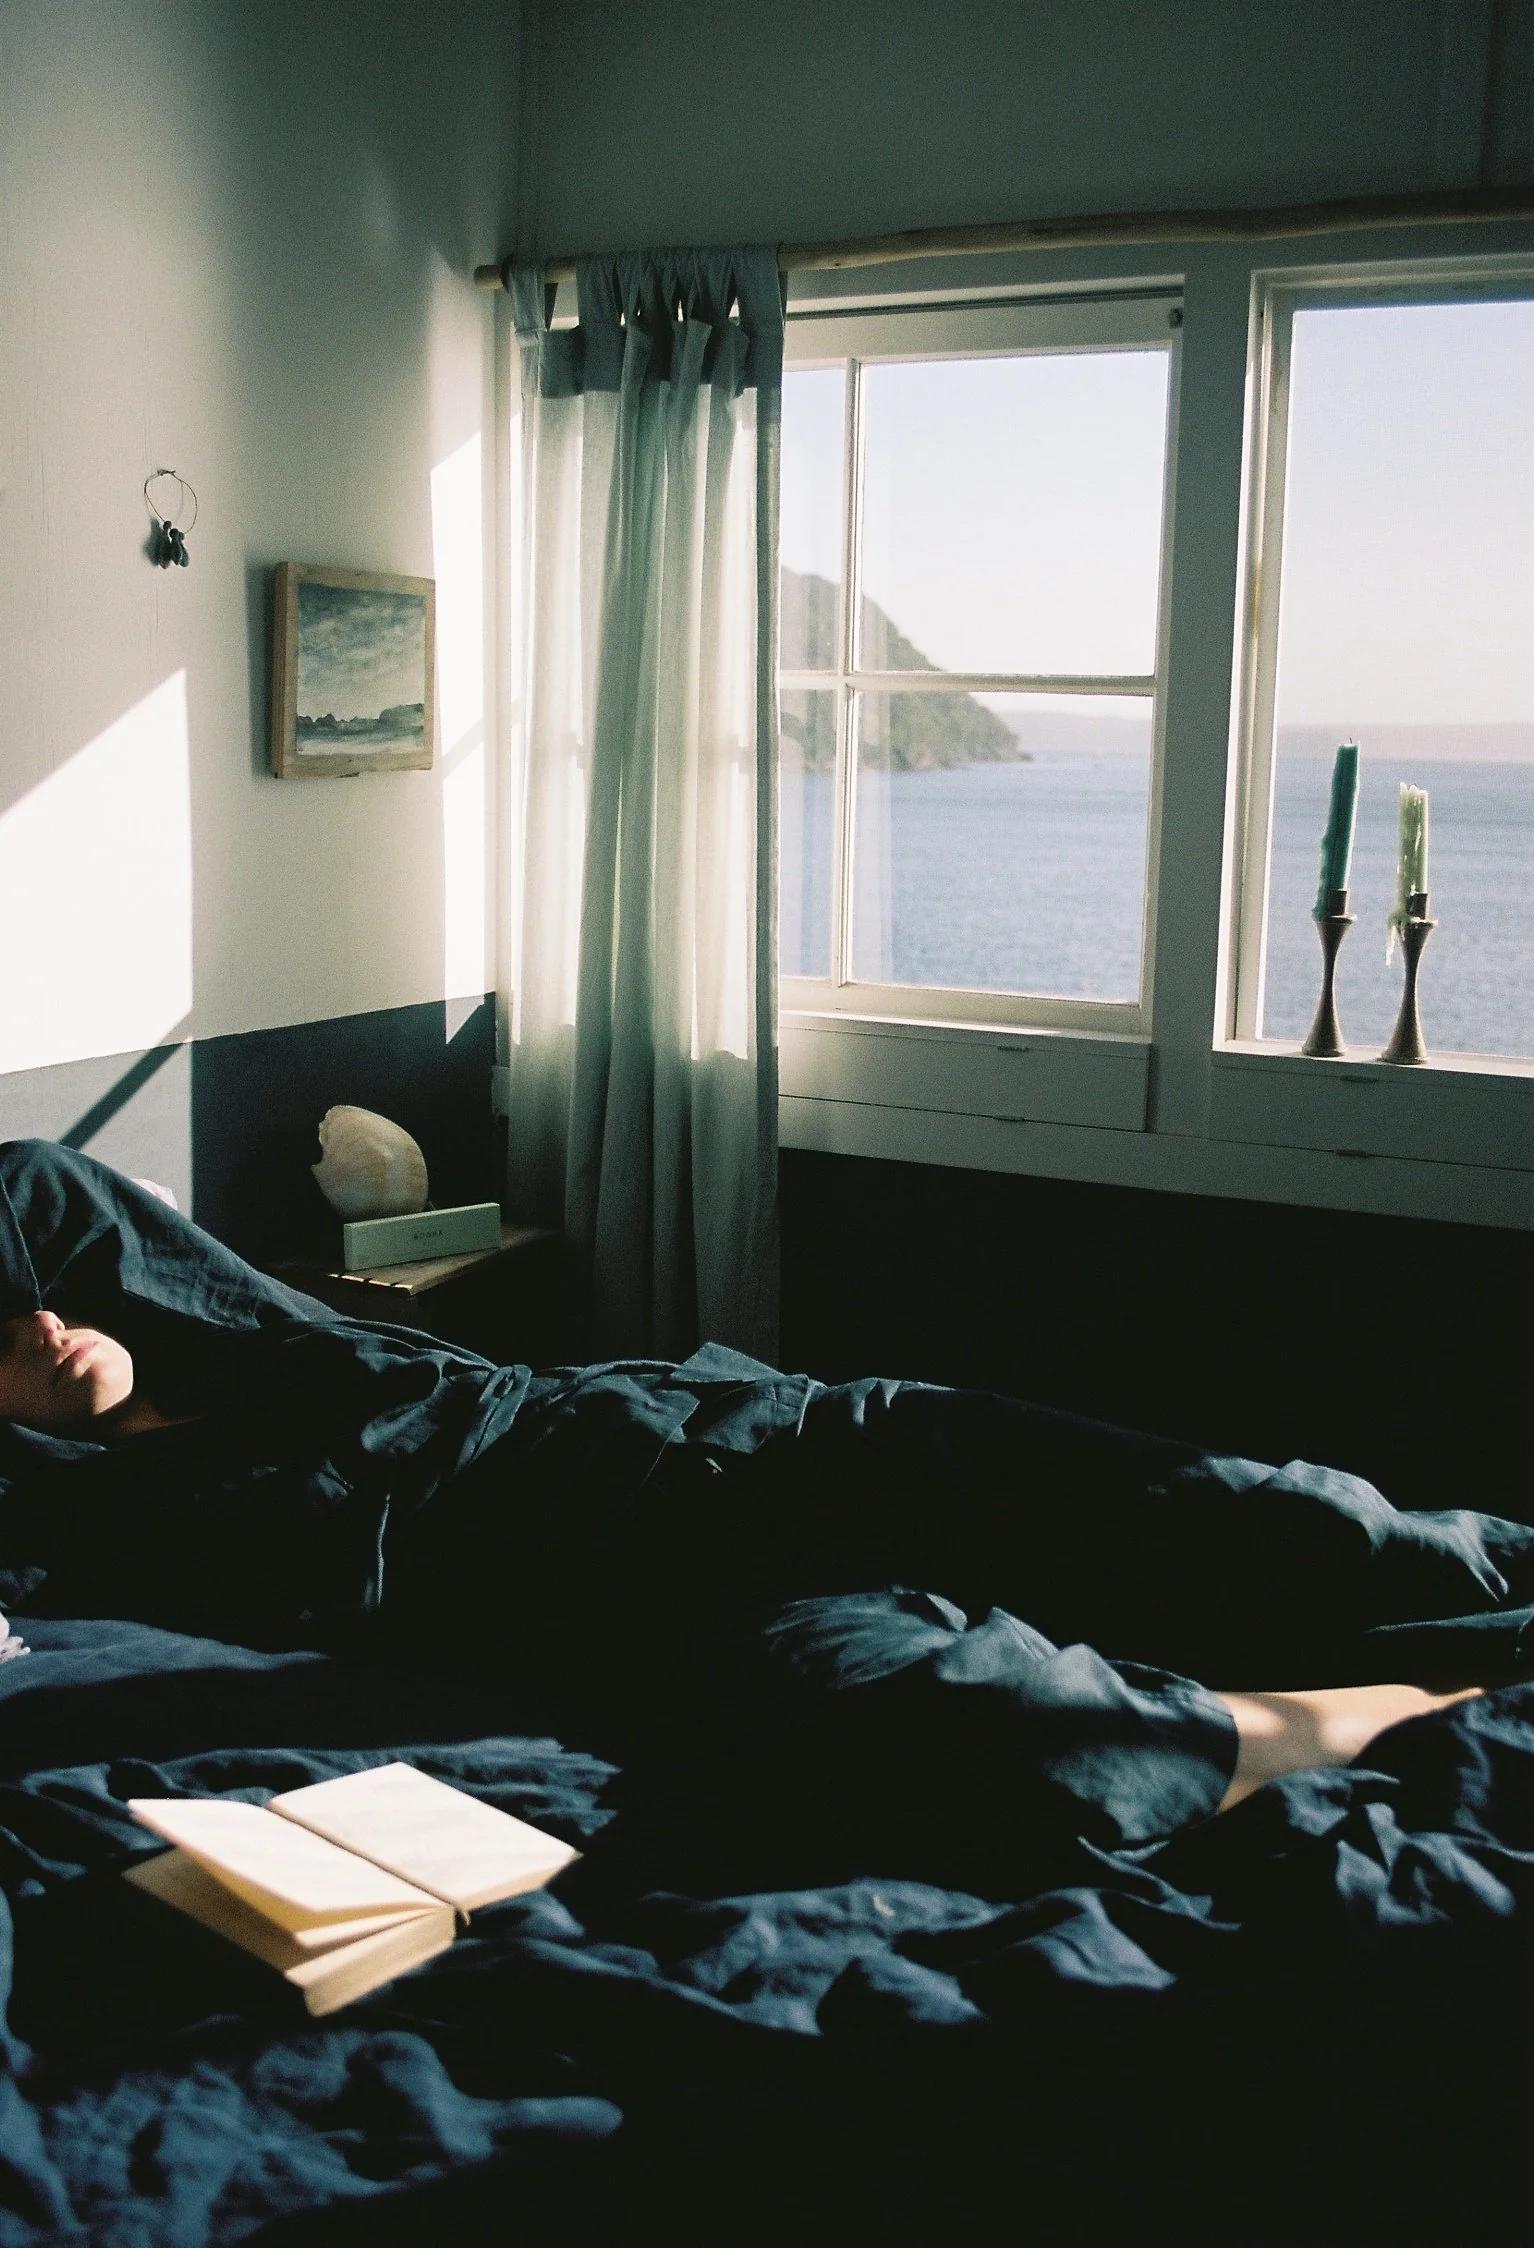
{"x":1340,"y":1968}
{"x":834,"y":1958}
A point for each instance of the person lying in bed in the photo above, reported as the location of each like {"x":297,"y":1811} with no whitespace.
{"x":663,"y":1552}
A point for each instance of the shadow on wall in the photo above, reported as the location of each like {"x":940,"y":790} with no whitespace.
{"x":230,"y":1124}
{"x":252,"y":1181}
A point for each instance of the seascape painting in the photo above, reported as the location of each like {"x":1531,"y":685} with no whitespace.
{"x":353,"y":661}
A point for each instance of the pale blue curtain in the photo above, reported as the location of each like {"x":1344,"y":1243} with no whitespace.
{"x":640,"y":976}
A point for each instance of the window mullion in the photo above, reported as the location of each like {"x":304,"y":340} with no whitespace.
{"x":1144,"y":684}
{"x":846,"y":789}
{"x":1003,"y":683}
{"x":1262,"y":666}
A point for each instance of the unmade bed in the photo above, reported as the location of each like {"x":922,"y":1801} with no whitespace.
{"x":830,"y":1959}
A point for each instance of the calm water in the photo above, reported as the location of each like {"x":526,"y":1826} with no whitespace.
{"x":1029,"y":877}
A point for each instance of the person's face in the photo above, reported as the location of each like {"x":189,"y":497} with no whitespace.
{"x":58,"y":1377}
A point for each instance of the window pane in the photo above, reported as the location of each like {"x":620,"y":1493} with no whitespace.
{"x":1012,"y":513}
{"x":1407,"y":624}
{"x":811,"y":516}
{"x":1000,"y":842}
{"x":1477,"y":988}
{"x":806,"y":830}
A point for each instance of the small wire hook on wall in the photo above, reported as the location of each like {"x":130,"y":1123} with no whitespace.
{"x":168,"y":541}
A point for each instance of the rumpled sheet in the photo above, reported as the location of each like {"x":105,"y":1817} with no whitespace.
{"x":1339,"y":1969}
{"x":808,"y":1979}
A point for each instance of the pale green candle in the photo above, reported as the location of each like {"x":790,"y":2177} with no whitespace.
{"x":1411,"y":859}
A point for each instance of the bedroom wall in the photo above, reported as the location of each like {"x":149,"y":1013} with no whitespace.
{"x":687,"y":120}
{"x":236,"y":237}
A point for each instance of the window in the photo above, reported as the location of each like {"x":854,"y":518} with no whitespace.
{"x":1395,"y":607}
{"x":973,"y":530}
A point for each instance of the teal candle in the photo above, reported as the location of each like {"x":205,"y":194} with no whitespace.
{"x":1337,"y":842}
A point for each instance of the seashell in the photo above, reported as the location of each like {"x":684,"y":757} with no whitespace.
{"x":370,"y":1168}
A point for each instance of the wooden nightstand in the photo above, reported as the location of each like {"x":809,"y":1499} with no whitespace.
{"x":513,"y":1303}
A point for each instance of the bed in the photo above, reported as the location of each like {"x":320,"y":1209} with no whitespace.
{"x":1305,"y":2018}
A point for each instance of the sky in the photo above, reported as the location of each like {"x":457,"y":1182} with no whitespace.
{"x":1012,"y":511}
{"x":360,"y":650}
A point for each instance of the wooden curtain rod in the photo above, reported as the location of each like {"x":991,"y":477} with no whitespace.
{"x":1128,"y":229}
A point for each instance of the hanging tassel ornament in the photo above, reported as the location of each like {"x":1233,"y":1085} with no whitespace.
{"x":168,"y":547}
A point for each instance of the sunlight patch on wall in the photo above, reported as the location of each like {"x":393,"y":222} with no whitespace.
{"x":508,"y":861}
{"x":96,"y":894}
{"x":464,"y":889}
{"x":458,"y":563}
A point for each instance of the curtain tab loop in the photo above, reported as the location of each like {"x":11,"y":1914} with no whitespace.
{"x":532,"y":298}
{"x":599,"y":299}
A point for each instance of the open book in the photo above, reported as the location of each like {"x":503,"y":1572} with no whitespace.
{"x":342,"y":1885}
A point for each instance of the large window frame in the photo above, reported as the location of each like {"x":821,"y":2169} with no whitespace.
{"x":1121,"y":320}
{"x":1277,"y":297}
{"x":1201,"y":1110}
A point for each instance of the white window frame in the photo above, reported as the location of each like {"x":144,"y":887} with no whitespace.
{"x":1204,"y":1112}
{"x":1128,"y":320}
{"x":1276,"y":299}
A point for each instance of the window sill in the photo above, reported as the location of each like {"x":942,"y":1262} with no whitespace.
{"x":942,"y":1026}
{"x":1044,"y":1076}
{"x":1453,"y":1109}
{"x":1274,"y":1053}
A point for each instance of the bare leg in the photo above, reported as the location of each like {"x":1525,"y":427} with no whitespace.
{"x":1293,"y":1732}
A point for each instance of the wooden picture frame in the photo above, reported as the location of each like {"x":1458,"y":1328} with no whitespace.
{"x":354,"y":661}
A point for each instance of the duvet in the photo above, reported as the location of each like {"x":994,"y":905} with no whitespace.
{"x":825,"y":1961}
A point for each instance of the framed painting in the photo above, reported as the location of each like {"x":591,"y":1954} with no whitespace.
{"x":353,"y":673}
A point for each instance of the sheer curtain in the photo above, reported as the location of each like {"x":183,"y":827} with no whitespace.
{"x":641,"y":992}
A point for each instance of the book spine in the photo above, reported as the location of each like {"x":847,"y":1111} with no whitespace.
{"x":367,"y":1242}
{"x":460,"y":1916}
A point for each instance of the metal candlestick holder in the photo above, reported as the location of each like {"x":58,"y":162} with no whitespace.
{"x":1325,"y":1039}
{"x":1406,"y":1039}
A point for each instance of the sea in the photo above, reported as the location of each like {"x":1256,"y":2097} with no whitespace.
{"x":1030,"y":877}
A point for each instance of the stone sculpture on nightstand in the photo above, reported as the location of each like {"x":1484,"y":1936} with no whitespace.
{"x":369,"y":1168}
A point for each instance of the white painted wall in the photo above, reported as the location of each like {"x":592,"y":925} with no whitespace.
{"x":236,"y":238}
{"x":783,"y":120}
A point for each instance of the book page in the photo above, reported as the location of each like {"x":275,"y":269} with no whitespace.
{"x":291,"y":1875}
{"x":438,"y":1837}
{"x":345,"y":1970}
{"x":179,"y":1880}
{"x":355,"y":1969}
